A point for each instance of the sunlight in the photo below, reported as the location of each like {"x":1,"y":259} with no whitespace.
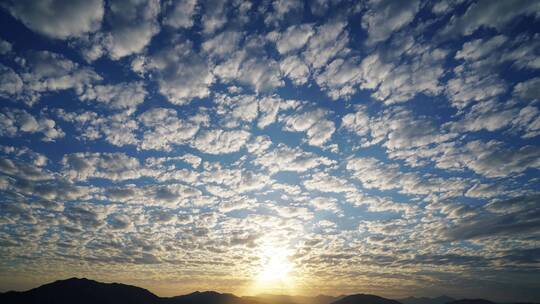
{"x":274,"y":273}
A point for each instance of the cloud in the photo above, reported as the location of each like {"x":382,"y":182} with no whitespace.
{"x":488,"y":158}
{"x":328,"y":41}
{"x":238,"y":109}
{"x":484,"y":14}
{"x":222,"y":44}
{"x":295,"y":69}
{"x":133,"y":24}
{"x":58,"y":19}
{"x":180,"y":14}
{"x":340,"y":78}
{"x":120,"y":96}
{"x":15,"y":123}
{"x":117,"y":129}
{"x":10,"y":82}
{"x":318,"y":129}
{"x":284,"y":158}
{"x":528,"y":121}
{"x":220,"y":141}
{"x":512,"y":217}
{"x":327,"y":183}
{"x":528,"y":90}
{"x":111,"y":166}
{"x":385,"y":17}
{"x":45,"y":71}
{"x":215,"y":15}
{"x":249,"y":67}
{"x":401,"y":76}
{"x":294,"y":38}
{"x":181,"y":74}
{"x":5,"y":47}
{"x":165,"y":129}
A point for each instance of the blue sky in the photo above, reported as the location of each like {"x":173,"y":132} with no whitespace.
{"x":387,"y":147}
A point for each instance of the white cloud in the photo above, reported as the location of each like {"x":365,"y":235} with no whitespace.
{"x":236,"y":110}
{"x":118,"y":96}
{"x":180,"y":13}
{"x":133,"y":24}
{"x":57,"y":18}
{"x":112,"y":166}
{"x":488,"y":158}
{"x":223,"y":44}
{"x":117,"y":129}
{"x":48,"y":72}
{"x":318,"y":129}
{"x":284,"y":158}
{"x":358,"y":121}
{"x":10,"y":82}
{"x":528,"y":90}
{"x":485,"y":13}
{"x":261,"y":73}
{"x":165,"y":129}
{"x":220,"y":141}
{"x":488,"y":115}
{"x":385,"y":17}
{"x":479,"y":48}
{"x":181,"y":73}
{"x":15,"y":122}
{"x":528,"y":121}
{"x":294,"y":38}
{"x":5,"y":47}
{"x":468,"y":86}
{"x":282,"y":9}
{"x":295,"y":69}
{"x":327,"y":183}
{"x":329,"y":41}
{"x":215,"y":15}
{"x":340,"y":78}
{"x":419,"y":72}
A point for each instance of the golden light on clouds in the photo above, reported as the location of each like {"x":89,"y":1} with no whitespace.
{"x":274,"y":273}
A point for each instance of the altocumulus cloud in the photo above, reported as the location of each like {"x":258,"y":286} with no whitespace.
{"x":393,"y":142}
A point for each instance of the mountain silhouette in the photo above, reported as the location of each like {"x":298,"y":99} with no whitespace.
{"x":288,"y":299}
{"x":85,"y":291}
{"x":472,"y":301}
{"x":207,"y":297}
{"x":82,"y":291}
{"x":365,"y":299}
{"x":425,"y":300}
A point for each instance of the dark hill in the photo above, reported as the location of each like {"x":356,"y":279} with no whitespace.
{"x":472,"y":301}
{"x":207,"y":297}
{"x":424,"y":300}
{"x":82,"y":291}
{"x":365,"y":299}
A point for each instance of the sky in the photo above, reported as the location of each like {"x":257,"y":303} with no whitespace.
{"x":320,"y":147}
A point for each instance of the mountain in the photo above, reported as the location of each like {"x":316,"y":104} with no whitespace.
{"x":82,"y":291}
{"x":287,"y":299}
{"x":424,"y":300}
{"x":472,"y":301}
{"x":207,"y":297}
{"x":365,"y":299}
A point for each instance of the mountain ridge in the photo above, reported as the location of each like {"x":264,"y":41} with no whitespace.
{"x":86,"y":291}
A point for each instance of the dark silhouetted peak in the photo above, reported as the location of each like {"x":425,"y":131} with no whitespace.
{"x":365,"y":299}
{"x":472,"y":301}
{"x":426,"y":300}
{"x":289,"y":299}
{"x":81,"y":291}
{"x":206,"y":297}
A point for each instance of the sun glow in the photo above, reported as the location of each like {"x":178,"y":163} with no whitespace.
{"x":275,"y":269}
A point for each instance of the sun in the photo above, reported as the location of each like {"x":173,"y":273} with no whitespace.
{"x":274,"y":273}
